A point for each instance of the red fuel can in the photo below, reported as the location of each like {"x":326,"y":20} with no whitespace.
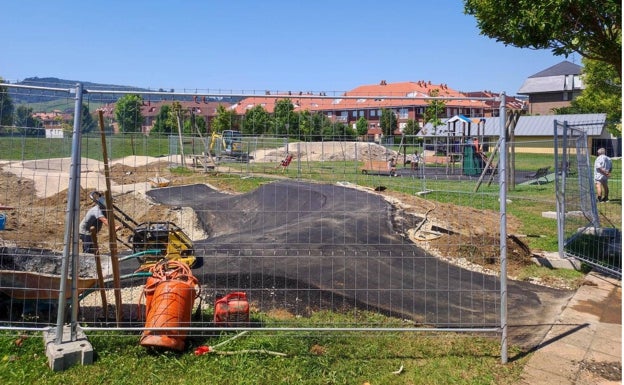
{"x":232,"y":310}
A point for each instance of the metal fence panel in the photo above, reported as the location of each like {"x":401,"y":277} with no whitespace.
{"x":314,"y":236}
{"x":581,"y":234}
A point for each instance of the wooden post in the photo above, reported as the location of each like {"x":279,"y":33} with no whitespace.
{"x":511,"y":134}
{"x":112,"y":238}
{"x":179,"y":121}
{"x":98,"y":268}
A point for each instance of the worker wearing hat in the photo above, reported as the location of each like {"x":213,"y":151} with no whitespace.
{"x":93,"y":218}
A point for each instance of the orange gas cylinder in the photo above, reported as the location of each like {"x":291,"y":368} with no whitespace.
{"x":232,"y":310}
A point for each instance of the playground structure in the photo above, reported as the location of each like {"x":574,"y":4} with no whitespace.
{"x":466,"y":146}
{"x":462,"y":147}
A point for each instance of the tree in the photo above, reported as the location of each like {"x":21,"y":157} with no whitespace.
{"x":388,"y":122}
{"x":6,"y":108}
{"x":87,"y":124}
{"x":338,"y":131}
{"x":602,"y":94}
{"x":311,"y":125}
{"x":361,"y":126}
{"x":128,"y":113}
{"x":411,"y":128}
{"x":285,"y":119}
{"x":257,"y":121}
{"x":24,"y":118}
{"x":434,"y":110}
{"x":26,"y":123}
{"x":224,"y":120}
{"x":165,"y":121}
{"x":198,"y":123}
{"x":591,"y":28}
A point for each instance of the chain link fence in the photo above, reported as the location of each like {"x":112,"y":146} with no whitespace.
{"x":328,"y":241}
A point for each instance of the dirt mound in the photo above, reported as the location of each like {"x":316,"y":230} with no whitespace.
{"x":326,"y":151}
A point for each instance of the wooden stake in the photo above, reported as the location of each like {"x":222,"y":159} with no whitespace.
{"x":98,"y":268}
{"x":112,"y":238}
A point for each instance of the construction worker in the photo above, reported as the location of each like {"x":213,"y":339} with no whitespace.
{"x":93,"y":218}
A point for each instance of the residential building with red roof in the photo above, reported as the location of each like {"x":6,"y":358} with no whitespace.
{"x":150,"y":109}
{"x":53,"y":122}
{"x":408,"y":100}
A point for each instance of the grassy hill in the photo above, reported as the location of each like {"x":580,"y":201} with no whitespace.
{"x":42,"y":100}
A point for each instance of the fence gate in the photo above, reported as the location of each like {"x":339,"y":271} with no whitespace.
{"x":580,"y":233}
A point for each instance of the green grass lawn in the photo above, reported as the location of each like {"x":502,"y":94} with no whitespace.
{"x":311,"y":358}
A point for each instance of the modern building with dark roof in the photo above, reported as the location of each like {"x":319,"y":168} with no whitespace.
{"x":554,"y":87}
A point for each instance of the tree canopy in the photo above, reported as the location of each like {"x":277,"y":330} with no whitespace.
{"x":257,"y":121}
{"x":128,"y":113}
{"x":285,"y":118}
{"x":225,"y":119}
{"x":388,"y":122}
{"x":361,"y":126}
{"x":6,"y":108}
{"x":591,"y":28}
{"x":87,"y":124}
{"x":434,"y":110}
{"x":411,"y":128}
{"x":165,"y":121}
{"x":24,"y":118}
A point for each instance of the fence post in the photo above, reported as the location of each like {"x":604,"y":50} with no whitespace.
{"x":502,"y":178}
{"x":70,"y":243}
{"x":560,"y":175}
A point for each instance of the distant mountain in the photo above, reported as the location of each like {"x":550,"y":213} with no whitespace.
{"x":22,"y":96}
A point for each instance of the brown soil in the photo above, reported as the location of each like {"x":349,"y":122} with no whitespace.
{"x":41,"y":222}
{"x":477,"y":240}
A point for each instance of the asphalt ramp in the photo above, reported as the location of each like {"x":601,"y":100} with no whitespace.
{"x":307,"y":246}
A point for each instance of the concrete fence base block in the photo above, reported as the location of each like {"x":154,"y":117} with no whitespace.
{"x":63,"y":355}
{"x":553,"y":261}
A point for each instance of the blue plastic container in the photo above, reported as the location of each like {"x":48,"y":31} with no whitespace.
{"x":2,"y":221}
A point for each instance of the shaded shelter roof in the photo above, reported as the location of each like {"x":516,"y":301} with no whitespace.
{"x":539,"y":125}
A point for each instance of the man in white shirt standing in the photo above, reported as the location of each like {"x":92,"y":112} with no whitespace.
{"x":602,"y":172}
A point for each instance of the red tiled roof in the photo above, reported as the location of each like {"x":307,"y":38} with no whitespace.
{"x":414,"y":94}
{"x":151,"y":108}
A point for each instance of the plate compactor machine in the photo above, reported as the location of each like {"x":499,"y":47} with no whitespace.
{"x":152,"y":242}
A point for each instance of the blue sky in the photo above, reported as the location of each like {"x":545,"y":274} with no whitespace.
{"x":244,"y":46}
